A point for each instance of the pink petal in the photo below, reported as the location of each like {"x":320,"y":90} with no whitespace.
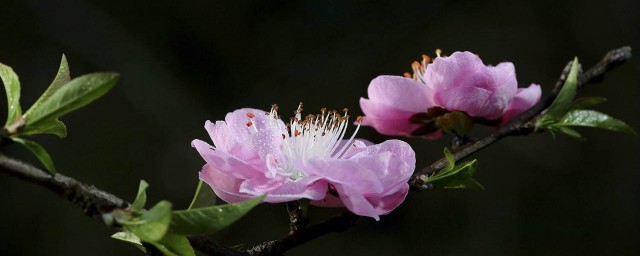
{"x":523,"y":100}
{"x":387,"y":119}
{"x":390,"y":201}
{"x":401,"y":93}
{"x":226,"y":163}
{"x":260,"y":185}
{"x":469,"y":99}
{"x":226,"y":187}
{"x":356,"y":202}
{"x":392,"y":161}
{"x":294,"y":190}
{"x":505,"y":86}
{"x":461,"y":69}
{"x":345,"y":172}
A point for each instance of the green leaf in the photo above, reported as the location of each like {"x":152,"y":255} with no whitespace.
{"x":568,"y":131}
{"x":174,"y":245}
{"x":153,"y":224}
{"x":450,"y":159}
{"x":208,"y":220}
{"x":40,"y":153}
{"x":73,"y":95}
{"x":203,"y":197}
{"x":464,"y":184}
{"x":141,"y":197}
{"x":62,"y":77}
{"x":51,"y":126}
{"x":582,"y":103}
{"x":563,"y":101}
{"x":12,"y":88}
{"x":458,"y":177}
{"x":591,"y":118}
{"x":465,"y":169}
{"x":129,"y":238}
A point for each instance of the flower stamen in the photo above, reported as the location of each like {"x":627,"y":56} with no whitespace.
{"x":315,"y":136}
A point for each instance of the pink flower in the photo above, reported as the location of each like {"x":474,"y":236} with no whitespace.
{"x":460,"y":82}
{"x":255,"y":153}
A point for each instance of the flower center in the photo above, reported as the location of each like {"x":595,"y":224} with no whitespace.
{"x":315,"y":136}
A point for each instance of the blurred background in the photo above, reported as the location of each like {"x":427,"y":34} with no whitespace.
{"x":188,"y":62}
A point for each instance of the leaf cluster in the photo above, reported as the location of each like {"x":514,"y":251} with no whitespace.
{"x":167,"y":229}
{"x":567,"y":112}
{"x":64,"y":95}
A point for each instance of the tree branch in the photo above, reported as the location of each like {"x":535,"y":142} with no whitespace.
{"x":337,"y":223}
{"x":94,"y":202}
{"x":520,"y":125}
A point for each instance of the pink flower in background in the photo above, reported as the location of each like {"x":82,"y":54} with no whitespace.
{"x":255,"y":153}
{"x":460,"y":82}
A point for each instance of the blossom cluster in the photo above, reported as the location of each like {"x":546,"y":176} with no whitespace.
{"x":255,"y":152}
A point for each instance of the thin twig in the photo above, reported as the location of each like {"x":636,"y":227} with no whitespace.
{"x":520,"y":125}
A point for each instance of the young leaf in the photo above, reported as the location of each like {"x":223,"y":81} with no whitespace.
{"x":461,"y":169}
{"x":208,"y":220}
{"x":129,"y":238}
{"x":464,"y":184}
{"x":450,"y":159}
{"x":563,"y":101}
{"x":153,"y":224}
{"x":174,"y":245}
{"x":203,"y":197}
{"x":568,"y":131}
{"x":458,"y":177}
{"x":73,"y":95}
{"x":51,"y":126}
{"x":12,"y":88}
{"x":40,"y":153}
{"x":62,"y":77}
{"x":582,"y":103}
{"x":591,"y":118}
{"x":141,"y":198}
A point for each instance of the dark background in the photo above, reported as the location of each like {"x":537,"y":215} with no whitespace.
{"x":184,"y":63}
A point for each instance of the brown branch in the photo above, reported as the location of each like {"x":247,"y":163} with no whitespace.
{"x":337,"y":223}
{"x":94,"y":202}
{"x":520,"y":125}
{"x":209,"y":246}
